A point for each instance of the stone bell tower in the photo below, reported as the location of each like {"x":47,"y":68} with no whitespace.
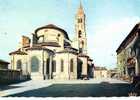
{"x":80,"y":28}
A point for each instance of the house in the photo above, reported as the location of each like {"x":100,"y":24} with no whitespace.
{"x":128,"y":54}
{"x":100,"y":72}
{"x":3,"y":64}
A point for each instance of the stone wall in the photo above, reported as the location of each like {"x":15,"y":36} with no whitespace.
{"x":10,"y":76}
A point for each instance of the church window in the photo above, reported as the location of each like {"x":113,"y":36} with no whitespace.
{"x":41,"y":39}
{"x":34,"y":64}
{"x":48,"y":66}
{"x":58,"y":36}
{"x":79,"y":34}
{"x":71,"y":65}
{"x":80,"y":20}
{"x":53,"y":66}
{"x":62,"y":65}
{"x":19,"y":64}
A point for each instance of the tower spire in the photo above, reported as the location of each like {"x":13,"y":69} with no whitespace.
{"x":80,"y":10}
{"x":80,"y":28}
{"x":81,"y":4}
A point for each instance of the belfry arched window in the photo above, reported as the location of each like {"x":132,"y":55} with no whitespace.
{"x":34,"y":64}
{"x":82,"y":44}
{"x":71,"y":65}
{"x":80,"y":20}
{"x":79,"y":34}
{"x":19,"y":64}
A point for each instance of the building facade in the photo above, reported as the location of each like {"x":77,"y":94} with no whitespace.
{"x":50,"y":54}
{"x":100,"y":72}
{"x":128,"y":54}
{"x":3,"y":64}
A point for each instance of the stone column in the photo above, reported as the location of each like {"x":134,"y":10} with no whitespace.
{"x":137,"y":62}
{"x":137,"y":67}
{"x":84,"y":66}
{"x":45,"y":68}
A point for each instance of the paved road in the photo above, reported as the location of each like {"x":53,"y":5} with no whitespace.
{"x":75,"y":88}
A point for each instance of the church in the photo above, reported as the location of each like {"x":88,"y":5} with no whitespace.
{"x":50,"y":54}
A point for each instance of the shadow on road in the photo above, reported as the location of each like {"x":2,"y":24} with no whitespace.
{"x":79,"y":90}
{"x":6,"y":87}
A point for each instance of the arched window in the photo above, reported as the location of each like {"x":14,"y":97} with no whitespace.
{"x":34,"y":64}
{"x":79,"y":34}
{"x":71,"y":65}
{"x":19,"y":64}
{"x":82,"y":44}
{"x":62,"y":65}
{"x":80,"y":20}
{"x":53,"y":66}
{"x":58,"y":37}
{"x":41,"y":39}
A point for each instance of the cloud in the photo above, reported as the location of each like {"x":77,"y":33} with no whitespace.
{"x":106,"y":37}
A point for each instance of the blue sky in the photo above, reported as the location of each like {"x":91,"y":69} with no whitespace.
{"x":108,"y":22}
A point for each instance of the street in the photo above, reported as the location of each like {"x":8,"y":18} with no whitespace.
{"x":73,"y":88}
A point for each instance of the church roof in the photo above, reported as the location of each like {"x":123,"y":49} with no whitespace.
{"x":39,"y":47}
{"x":18,"y":52}
{"x":69,"y":50}
{"x":52,"y":26}
{"x":90,"y":59}
{"x":54,"y":44}
{"x":82,"y":55}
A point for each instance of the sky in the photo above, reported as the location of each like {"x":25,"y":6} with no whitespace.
{"x":108,"y":22}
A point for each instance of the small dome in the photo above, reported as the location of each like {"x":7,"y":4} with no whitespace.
{"x":52,"y":26}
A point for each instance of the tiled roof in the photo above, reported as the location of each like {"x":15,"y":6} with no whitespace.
{"x":18,"y":52}
{"x":129,"y":38}
{"x":83,"y":55}
{"x":55,"y":44}
{"x":90,"y":59}
{"x":38,"y":47}
{"x":69,"y":50}
{"x":2,"y":61}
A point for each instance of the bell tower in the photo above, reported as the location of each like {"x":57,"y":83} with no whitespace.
{"x":80,"y":29}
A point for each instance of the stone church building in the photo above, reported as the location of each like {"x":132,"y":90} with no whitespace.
{"x":50,"y":54}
